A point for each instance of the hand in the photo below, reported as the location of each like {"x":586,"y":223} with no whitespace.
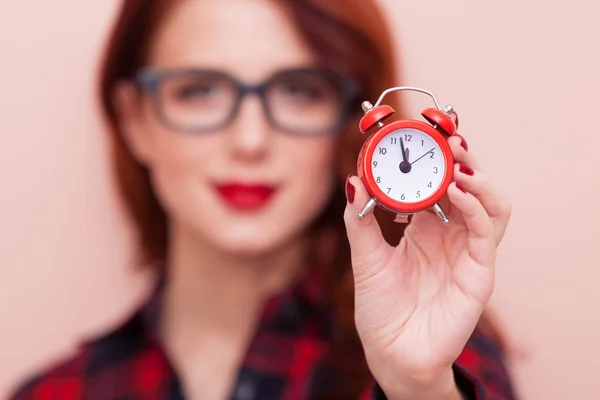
{"x":418,"y":303}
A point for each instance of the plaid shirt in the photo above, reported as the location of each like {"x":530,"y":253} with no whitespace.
{"x":282,"y":362}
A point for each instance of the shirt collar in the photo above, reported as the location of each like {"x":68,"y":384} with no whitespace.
{"x":306,"y":291}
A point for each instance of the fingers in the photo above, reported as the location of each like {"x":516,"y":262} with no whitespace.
{"x":469,"y":175}
{"x":481,"y":239}
{"x":479,"y":185}
{"x":368,"y":247}
{"x":459,"y":148}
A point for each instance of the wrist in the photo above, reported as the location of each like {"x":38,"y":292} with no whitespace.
{"x":443,"y":387}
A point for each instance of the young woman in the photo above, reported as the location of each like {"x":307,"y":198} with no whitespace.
{"x":235,"y":128}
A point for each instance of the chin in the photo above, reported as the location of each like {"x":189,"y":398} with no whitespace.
{"x":254,"y":234}
{"x":249,"y":247}
{"x":248,"y":243}
{"x":251,"y":232}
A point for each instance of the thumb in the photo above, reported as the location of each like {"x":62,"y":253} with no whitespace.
{"x":368,"y":247}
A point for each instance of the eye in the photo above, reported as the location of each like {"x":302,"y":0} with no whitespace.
{"x":197,"y":90}
{"x":301,"y":90}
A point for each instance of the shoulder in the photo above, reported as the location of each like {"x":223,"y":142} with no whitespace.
{"x":63,"y":379}
{"x":105,"y":367}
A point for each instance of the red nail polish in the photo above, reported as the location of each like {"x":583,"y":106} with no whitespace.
{"x":454,"y":117}
{"x":350,"y":190}
{"x":465,"y":169}
{"x":463,"y":142}
{"x":459,"y":186}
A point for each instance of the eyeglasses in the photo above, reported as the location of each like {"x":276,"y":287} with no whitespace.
{"x":307,"y":101}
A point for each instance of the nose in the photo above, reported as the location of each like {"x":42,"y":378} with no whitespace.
{"x":250,"y":133}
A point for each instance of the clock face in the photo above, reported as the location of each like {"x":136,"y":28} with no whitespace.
{"x":413,"y":178}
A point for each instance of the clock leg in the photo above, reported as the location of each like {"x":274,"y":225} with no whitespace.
{"x":440,"y":213}
{"x":367,"y":208}
{"x":401,"y":218}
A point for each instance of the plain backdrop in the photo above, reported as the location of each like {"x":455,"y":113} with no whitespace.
{"x":523,"y":75}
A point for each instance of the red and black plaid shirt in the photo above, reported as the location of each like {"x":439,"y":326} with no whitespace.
{"x":284,"y":361}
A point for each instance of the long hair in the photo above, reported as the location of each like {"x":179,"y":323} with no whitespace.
{"x":350,"y":36}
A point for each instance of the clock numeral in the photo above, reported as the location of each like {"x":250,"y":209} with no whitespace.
{"x":389,"y":189}
{"x":382,"y":150}
{"x":418,"y":194}
{"x":374,"y":164}
{"x":429,"y":184}
{"x":435,"y":170}
{"x":431,"y":156}
{"x":407,"y":138}
{"x":394,"y":140}
{"x":422,"y":143}
{"x":402,"y":197}
{"x":378,"y":179}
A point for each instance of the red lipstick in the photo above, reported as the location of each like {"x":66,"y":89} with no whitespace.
{"x":245,"y":196}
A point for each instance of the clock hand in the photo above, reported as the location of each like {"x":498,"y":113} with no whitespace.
{"x":422,"y":156}
{"x":404,"y":158}
{"x":404,"y":165}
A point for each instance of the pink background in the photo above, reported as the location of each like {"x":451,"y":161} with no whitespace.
{"x":524,"y":76}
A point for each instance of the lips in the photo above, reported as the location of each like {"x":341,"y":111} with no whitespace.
{"x":245,"y":196}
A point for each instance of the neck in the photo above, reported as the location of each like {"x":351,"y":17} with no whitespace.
{"x":212,"y":289}
{"x":211,"y":304}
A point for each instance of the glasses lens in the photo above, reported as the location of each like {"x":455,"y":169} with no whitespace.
{"x":305,"y":102}
{"x":196,"y":100}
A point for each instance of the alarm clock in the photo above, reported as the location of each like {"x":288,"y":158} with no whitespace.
{"x":406,"y":165}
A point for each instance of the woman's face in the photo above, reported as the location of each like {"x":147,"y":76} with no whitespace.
{"x":247,"y":186}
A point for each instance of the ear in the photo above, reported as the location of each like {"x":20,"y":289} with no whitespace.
{"x":129,"y":106}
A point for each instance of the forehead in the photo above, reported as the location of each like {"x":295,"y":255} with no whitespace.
{"x":249,"y":38}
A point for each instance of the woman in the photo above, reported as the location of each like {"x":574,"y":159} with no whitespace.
{"x":235,"y":126}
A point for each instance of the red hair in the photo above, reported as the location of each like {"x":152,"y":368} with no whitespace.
{"x":350,"y":36}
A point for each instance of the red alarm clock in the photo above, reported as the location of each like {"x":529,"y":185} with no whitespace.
{"x":406,"y":165}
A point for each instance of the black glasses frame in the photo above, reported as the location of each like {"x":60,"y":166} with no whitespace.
{"x":149,"y":81}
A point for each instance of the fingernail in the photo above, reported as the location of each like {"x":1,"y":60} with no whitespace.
{"x":465,"y":169}
{"x":458,"y":185}
{"x":350,"y":190}
{"x":463,"y":142}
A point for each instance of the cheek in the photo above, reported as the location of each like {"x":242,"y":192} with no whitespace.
{"x":313,"y":170}
{"x":177,"y":153}
{"x":170,"y":151}
{"x":177,"y":163}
